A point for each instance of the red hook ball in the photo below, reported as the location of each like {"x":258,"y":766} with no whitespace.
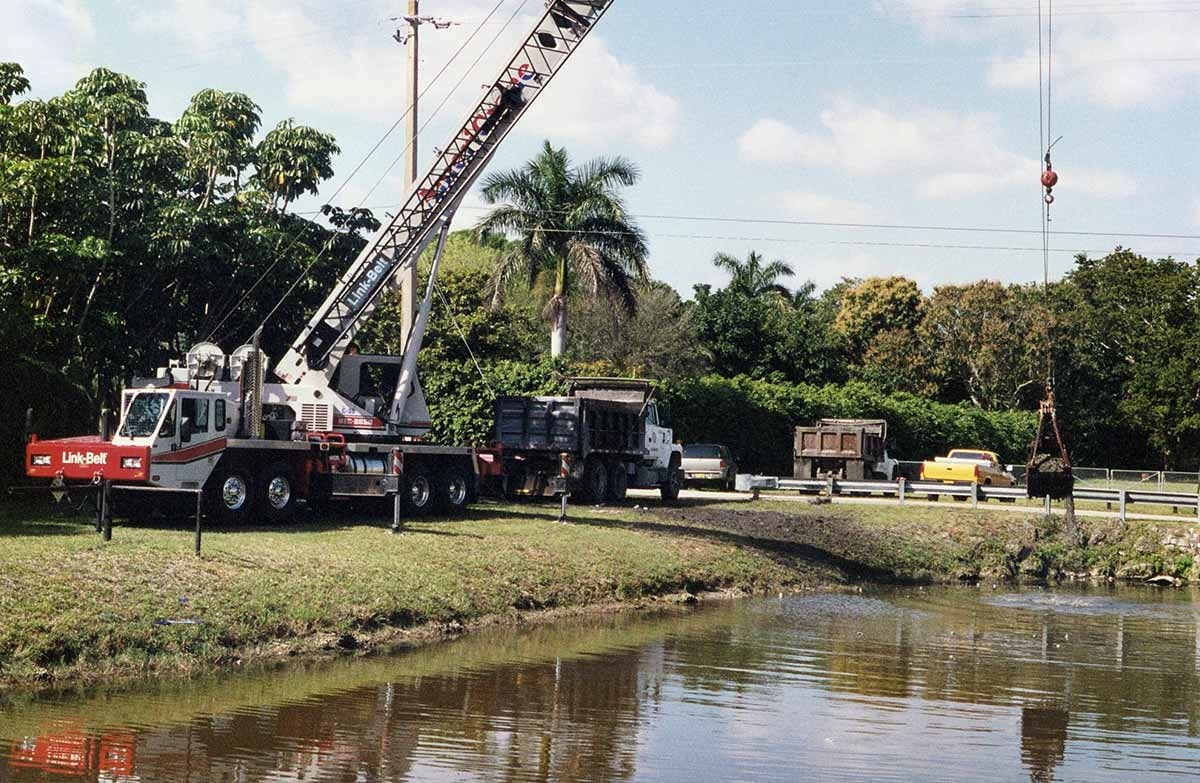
{"x":1049,"y":178}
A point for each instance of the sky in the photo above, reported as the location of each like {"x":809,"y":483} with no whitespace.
{"x":916,"y":122}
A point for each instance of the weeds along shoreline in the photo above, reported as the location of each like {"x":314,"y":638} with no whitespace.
{"x":74,"y":610}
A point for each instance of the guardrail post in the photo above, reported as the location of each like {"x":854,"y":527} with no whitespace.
{"x":1124,"y":501}
{"x":974,"y":495}
{"x":829,"y":486}
{"x":900,"y":493}
{"x":1047,"y":505}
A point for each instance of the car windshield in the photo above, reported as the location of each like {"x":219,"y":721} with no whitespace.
{"x":702,"y":451}
{"x":141,"y":419}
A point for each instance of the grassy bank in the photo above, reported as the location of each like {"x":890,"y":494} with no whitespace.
{"x":73,"y":608}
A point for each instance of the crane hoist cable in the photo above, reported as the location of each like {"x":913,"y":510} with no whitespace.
{"x":1048,"y":472}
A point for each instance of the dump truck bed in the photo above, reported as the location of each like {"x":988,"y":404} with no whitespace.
{"x":574,"y":425}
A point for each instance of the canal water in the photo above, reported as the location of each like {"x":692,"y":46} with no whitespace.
{"x":965,"y":683}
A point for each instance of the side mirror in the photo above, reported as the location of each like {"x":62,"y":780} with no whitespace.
{"x":186,"y":429}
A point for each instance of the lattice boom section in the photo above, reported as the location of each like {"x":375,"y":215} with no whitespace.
{"x":400,"y":242}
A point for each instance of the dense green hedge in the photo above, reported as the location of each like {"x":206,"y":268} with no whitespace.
{"x":756,"y":420}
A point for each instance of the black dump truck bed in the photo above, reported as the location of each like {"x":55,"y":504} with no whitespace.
{"x":606,"y":420}
{"x":577,"y":425}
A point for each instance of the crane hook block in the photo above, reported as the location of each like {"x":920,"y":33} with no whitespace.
{"x":1049,"y":178}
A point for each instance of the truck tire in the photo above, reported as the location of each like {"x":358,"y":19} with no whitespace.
{"x":595,"y":481}
{"x":419,"y":492}
{"x":277,"y":495}
{"x":453,"y":490}
{"x":618,"y":482}
{"x":670,"y":487}
{"x":229,"y":497}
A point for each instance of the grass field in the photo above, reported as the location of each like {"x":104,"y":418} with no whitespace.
{"x":70,"y":603}
{"x":75,"y":608}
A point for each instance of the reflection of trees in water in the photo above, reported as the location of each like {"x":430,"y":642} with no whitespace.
{"x":1043,"y":740}
{"x":564,"y":720}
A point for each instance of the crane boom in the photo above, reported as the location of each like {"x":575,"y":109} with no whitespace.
{"x":316,"y":353}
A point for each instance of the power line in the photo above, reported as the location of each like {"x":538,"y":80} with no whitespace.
{"x":845,"y":224}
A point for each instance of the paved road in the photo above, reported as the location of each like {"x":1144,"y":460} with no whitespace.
{"x":1012,"y":508}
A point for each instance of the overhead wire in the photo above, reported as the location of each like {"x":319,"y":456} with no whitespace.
{"x":387,"y":134}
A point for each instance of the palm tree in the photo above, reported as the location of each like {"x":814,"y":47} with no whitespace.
{"x":571,"y":222}
{"x":754,"y":279}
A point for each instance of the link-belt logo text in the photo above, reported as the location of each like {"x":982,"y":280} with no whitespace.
{"x":86,"y":458}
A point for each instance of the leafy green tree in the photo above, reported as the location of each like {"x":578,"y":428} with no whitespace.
{"x":571,"y":224}
{"x":12,"y":82}
{"x":990,"y":343}
{"x":293,"y":160}
{"x":217,"y":129}
{"x":765,"y":337}
{"x":877,"y":305}
{"x":1128,"y":358}
{"x":658,"y":341}
{"x":752,"y":278}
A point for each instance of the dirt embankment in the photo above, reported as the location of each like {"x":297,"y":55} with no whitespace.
{"x":923,"y":545}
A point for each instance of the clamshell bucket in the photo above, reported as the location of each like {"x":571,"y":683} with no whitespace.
{"x":1048,"y":472}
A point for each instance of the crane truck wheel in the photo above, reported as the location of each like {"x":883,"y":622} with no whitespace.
{"x":277,"y":493}
{"x":453,"y":490}
{"x":618,"y":482}
{"x":419,"y":491}
{"x":230,"y":496}
{"x":595,"y":481}
{"x":674,"y":481}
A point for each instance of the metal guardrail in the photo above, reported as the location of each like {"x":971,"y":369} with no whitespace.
{"x":903,"y":489}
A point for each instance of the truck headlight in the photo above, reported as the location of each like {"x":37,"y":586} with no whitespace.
{"x":131,"y":463}
{"x":41,"y":460}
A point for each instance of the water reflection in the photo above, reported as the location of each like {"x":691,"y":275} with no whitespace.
{"x":934,"y":684}
{"x":1043,"y":740}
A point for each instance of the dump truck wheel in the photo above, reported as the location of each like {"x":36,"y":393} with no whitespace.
{"x":670,"y":487}
{"x":618,"y":482}
{"x":595,"y":481}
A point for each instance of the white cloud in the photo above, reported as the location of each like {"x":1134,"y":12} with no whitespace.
{"x":1126,"y":57}
{"x":45,"y":37}
{"x":820,"y":207}
{"x":597,"y":97}
{"x":947,"y":154}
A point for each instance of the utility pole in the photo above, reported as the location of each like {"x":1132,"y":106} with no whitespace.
{"x":411,"y":39}
{"x":408,"y":280}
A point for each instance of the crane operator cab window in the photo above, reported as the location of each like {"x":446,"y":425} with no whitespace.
{"x":376,"y":386}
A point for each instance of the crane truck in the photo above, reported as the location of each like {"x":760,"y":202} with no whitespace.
{"x":325,"y":422}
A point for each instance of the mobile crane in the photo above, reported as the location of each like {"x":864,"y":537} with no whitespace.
{"x":331,"y":423}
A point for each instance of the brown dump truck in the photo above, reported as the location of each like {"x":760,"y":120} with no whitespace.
{"x":853,"y":449}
